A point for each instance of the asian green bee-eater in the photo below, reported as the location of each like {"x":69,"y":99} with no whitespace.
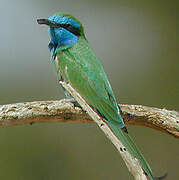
{"x":76,"y":63}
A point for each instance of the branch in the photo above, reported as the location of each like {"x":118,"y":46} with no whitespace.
{"x":62,"y":111}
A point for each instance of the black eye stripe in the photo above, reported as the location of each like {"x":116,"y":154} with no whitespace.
{"x":53,"y":24}
{"x":68,"y":27}
{"x":71,"y":28}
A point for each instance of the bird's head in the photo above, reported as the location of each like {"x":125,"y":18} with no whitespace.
{"x":64,"y":30}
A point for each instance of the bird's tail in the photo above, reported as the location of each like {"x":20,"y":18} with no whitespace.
{"x":123,"y":136}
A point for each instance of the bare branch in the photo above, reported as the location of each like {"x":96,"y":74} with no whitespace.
{"x":62,"y":111}
{"x":159,"y":119}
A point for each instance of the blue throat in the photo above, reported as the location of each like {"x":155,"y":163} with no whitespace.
{"x":61,"y":39}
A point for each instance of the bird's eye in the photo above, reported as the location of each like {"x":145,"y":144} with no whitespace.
{"x":72,"y":29}
{"x":68,"y":25}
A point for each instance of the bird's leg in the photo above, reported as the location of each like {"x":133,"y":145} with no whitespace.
{"x":73,"y":101}
{"x":69,"y":98}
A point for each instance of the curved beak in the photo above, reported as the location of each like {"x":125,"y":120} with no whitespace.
{"x":48,"y":23}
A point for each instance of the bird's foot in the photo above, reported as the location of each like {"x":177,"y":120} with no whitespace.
{"x":73,"y":101}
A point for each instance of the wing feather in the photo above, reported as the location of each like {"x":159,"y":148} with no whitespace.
{"x":85,"y":73}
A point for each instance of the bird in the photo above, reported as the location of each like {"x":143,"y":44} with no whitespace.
{"x":76,"y":64}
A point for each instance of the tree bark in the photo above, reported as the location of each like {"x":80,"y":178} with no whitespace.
{"x":61,"y":111}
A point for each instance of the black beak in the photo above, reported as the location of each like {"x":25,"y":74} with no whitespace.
{"x":48,"y":23}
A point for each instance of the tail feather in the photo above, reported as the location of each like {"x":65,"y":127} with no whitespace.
{"x":162,"y":177}
{"x":129,"y":144}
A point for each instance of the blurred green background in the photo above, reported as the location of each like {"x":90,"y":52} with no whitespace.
{"x":137,"y":43}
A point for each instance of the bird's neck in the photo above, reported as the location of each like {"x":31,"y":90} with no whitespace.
{"x":56,"y":47}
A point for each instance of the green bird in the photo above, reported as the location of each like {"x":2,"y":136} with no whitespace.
{"x":76,"y":64}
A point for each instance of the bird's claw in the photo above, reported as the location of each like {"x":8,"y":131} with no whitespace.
{"x":73,"y":101}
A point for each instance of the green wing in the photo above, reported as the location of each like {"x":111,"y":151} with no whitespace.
{"x":81,"y":68}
